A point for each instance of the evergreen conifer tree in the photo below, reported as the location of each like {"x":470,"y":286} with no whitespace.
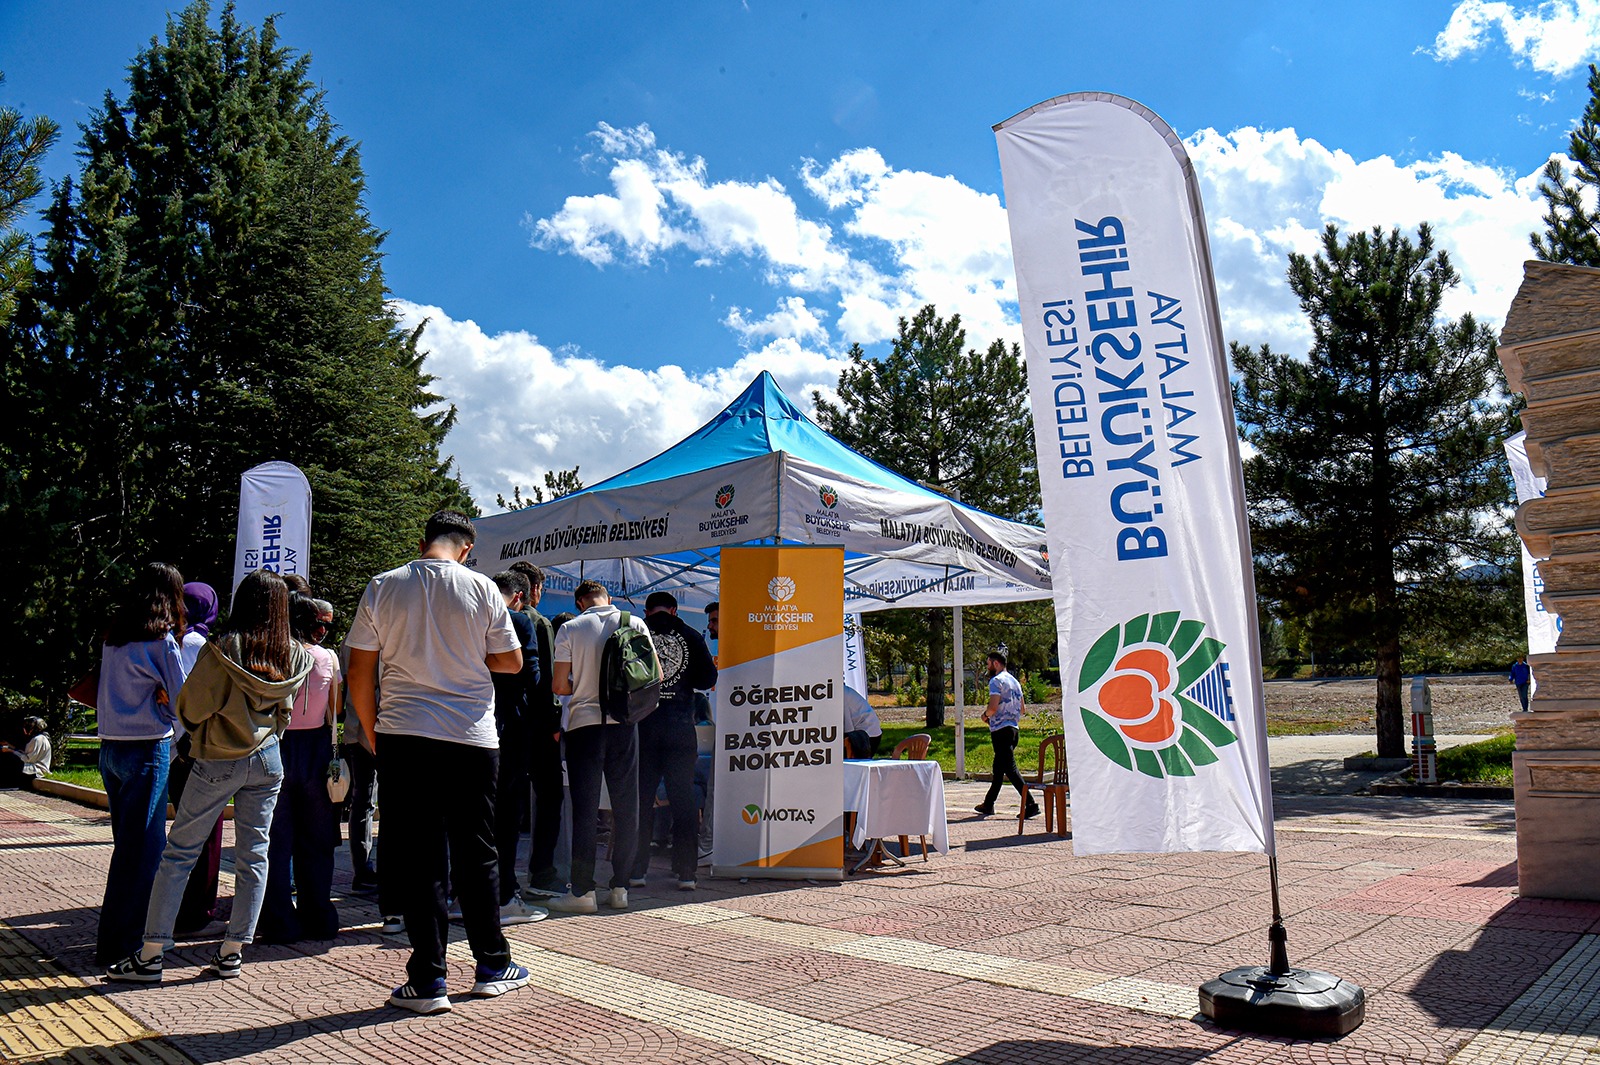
{"x":1378,"y":471}
{"x":948,"y":416}
{"x":1572,"y":214}
{"x":210,"y":296}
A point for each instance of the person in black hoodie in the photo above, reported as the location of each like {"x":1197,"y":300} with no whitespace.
{"x":667,"y":737}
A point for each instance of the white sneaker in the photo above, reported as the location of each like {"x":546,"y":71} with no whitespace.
{"x":571,"y":903}
{"x":687,"y":884}
{"x":393,"y":926}
{"x":637,"y":881}
{"x":518,"y":912}
{"x":618,"y":899}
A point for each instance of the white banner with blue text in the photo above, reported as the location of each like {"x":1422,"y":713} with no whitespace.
{"x":274,"y":522}
{"x":1544,"y":628}
{"x":1143,"y":496}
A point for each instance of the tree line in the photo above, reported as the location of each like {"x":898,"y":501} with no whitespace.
{"x":208,"y":294}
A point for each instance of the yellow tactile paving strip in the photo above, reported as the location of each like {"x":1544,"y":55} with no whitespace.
{"x":60,"y":824}
{"x":1554,"y":1022}
{"x":778,"y":1034}
{"x":1146,"y":996}
{"x":48,"y":1013}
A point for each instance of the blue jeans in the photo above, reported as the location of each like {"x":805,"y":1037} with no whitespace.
{"x":135,"y":775}
{"x":252,"y":782}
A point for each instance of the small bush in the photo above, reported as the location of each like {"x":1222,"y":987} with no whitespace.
{"x":912,"y":693}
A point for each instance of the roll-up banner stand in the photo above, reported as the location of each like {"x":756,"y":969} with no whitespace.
{"x":274,"y":521}
{"x":1544,"y":628}
{"x":779,"y":807}
{"x":855,"y":653}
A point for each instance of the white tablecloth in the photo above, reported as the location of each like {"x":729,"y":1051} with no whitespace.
{"x":896,"y":798}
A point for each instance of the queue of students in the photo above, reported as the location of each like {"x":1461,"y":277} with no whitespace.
{"x":487,"y":697}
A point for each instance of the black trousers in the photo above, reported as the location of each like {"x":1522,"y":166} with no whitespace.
{"x":511,"y":795}
{"x":544,"y":772}
{"x":305,"y":833}
{"x":1005,"y":762}
{"x":611,"y":751}
{"x":668,"y":749}
{"x":438,"y":825}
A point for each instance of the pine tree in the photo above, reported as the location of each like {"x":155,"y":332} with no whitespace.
{"x":1378,"y":469}
{"x":1572,"y":215}
{"x":210,"y":296}
{"x":23,"y":143}
{"x":949,"y":417}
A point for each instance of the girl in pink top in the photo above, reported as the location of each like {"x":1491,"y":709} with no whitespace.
{"x":305,"y":826}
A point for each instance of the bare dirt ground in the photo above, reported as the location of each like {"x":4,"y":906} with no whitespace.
{"x":1474,"y":704}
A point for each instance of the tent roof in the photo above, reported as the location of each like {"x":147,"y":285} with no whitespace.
{"x":761,"y":421}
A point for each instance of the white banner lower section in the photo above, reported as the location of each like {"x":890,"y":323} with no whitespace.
{"x":1544,"y":628}
{"x":855,"y":653}
{"x":1143,"y":496}
{"x":274,"y":522}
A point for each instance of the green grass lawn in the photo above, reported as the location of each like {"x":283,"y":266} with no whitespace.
{"x":980,"y":756}
{"x":78,"y":762}
{"x":1485,"y":762}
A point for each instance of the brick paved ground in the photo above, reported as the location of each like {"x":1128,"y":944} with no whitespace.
{"x":1006,"y":950}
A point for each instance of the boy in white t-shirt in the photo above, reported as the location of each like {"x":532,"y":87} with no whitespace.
{"x":435,"y":631}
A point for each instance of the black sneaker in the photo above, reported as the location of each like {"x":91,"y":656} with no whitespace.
{"x":550,"y":887}
{"x":226,"y":966}
{"x":983,"y":808}
{"x":429,"y":998}
{"x":1031,"y":811}
{"x":134,"y":971}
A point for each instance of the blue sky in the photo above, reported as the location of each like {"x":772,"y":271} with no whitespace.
{"x":614,"y":214}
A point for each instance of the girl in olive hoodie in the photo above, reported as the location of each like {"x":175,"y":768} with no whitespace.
{"x":234,"y":704}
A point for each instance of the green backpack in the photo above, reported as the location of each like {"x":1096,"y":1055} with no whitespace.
{"x":630,"y":675}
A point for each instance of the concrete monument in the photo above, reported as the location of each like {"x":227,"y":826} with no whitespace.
{"x":1550,"y":348}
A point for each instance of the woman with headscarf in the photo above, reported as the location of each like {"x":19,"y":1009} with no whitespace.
{"x":200,"y":895}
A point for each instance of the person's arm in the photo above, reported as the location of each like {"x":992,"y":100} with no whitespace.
{"x":336,"y":693}
{"x":994,"y":708}
{"x":561,"y":678}
{"x":363,"y":681}
{"x":504,"y":661}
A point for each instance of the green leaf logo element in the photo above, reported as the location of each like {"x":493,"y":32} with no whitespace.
{"x":1123,"y":653}
{"x":1099,"y":658}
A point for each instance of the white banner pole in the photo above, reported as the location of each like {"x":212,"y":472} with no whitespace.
{"x":1144,"y":510}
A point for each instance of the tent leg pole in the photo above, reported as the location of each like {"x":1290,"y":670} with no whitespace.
{"x":961,"y":701}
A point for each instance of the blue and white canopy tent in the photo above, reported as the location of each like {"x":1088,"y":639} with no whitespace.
{"x":761,"y":472}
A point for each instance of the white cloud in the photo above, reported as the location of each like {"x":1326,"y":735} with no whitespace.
{"x":792,"y":319}
{"x":1271,"y":192}
{"x":865,"y":243}
{"x":525,"y":409}
{"x":905,"y":238}
{"x":1556,"y":37}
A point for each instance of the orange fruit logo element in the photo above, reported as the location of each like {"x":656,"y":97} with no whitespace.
{"x":1154,"y":695}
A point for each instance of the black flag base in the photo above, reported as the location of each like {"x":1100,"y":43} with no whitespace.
{"x":1282,"y":1000}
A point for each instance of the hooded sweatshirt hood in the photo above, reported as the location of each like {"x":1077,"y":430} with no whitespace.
{"x":231,"y":712}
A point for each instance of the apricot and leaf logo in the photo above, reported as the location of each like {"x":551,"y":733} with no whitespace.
{"x":829,"y":496}
{"x":751,"y":814}
{"x":781,"y":589}
{"x":724,"y":497}
{"x":1155,"y":697}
